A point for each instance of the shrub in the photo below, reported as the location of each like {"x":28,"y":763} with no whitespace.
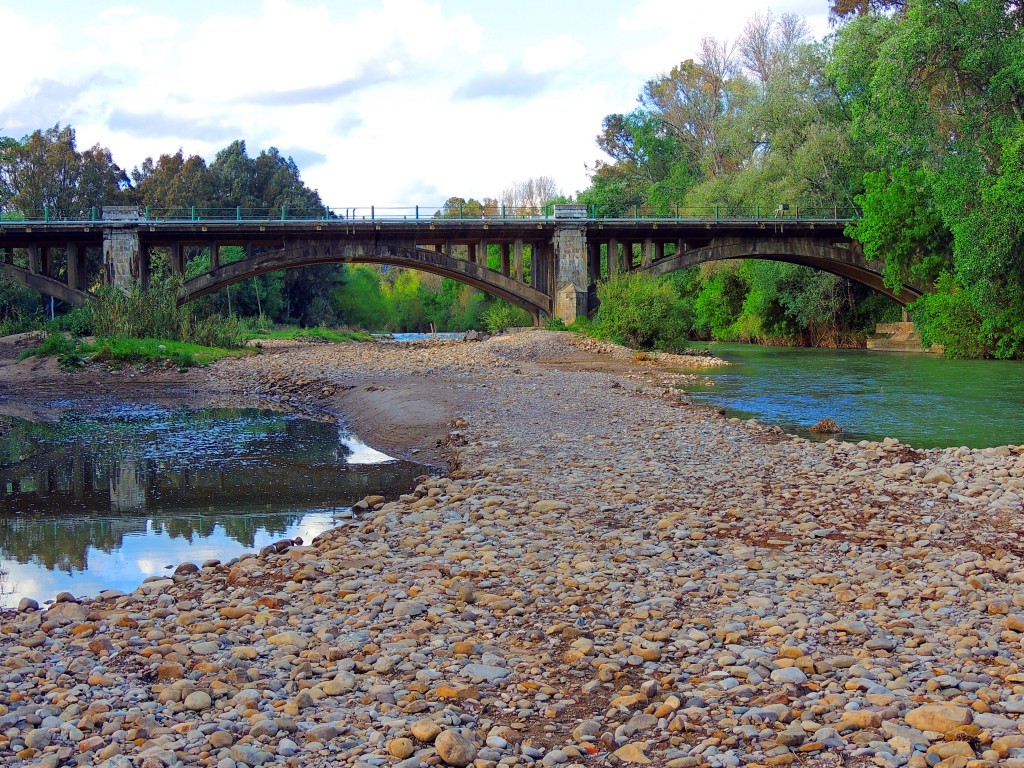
{"x":501,"y":315}
{"x":947,"y":317}
{"x":642,"y":312}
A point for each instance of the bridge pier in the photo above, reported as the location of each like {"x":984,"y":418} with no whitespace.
{"x":122,"y":260}
{"x":573,"y":272}
{"x":505,"y":258}
{"x":76,"y":266}
{"x":613,"y":258}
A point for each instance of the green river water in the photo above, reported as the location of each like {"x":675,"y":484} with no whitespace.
{"x":923,"y":400}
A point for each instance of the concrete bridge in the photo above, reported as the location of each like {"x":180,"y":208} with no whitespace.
{"x":566,"y":252}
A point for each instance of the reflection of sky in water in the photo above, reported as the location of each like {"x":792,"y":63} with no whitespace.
{"x":99,"y":503}
{"x":361,"y":453}
{"x":147,"y":554}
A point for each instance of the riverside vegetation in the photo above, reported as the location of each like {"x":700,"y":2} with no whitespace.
{"x":907,"y":116}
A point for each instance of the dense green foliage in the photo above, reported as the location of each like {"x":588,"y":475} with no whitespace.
{"x":936,"y":92}
{"x":140,"y":326}
{"x":911,"y":114}
{"x":641,"y":312}
{"x":73,"y":352}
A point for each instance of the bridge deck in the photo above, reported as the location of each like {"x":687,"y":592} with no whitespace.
{"x":15,"y":234}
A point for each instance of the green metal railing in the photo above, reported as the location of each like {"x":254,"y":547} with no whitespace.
{"x":466,"y":212}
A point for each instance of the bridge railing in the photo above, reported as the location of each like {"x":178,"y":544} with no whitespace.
{"x":448,"y":212}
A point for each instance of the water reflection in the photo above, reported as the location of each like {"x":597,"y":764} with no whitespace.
{"x":101,"y":499}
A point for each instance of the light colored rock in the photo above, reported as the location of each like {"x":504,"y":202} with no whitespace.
{"x":937,"y":475}
{"x":454,"y":748}
{"x":401,"y":748}
{"x":634,"y":753}
{"x":425,"y":730}
{"x":940,"y":718}
{"x":198,"y":701}
{"x":288,"y":638}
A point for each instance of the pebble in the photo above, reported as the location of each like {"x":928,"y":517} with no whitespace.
{"x":454,"y":748}
{"x":606,"y":570}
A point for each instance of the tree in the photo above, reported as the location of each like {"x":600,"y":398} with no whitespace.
{"x":460,"y":208}
{"x":937,"y":93}
{"x":173,"y":181}
{"x":45,"y":170}
{"x":529,"y":196}
{"x":841,"y":9}
{"x":699,"y":103}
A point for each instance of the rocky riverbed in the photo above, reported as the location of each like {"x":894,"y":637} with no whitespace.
{"x":607,"y":576}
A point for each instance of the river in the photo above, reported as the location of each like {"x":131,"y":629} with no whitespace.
{"x":103,"y":500}
{"x":923,"y":400}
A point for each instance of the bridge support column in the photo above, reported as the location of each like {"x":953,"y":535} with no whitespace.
{"x":144,"y":269}
{"x":121,"y":250}
{"x":177,"y":263}
{"x":572,"y":273}
{"x":121,"y":256}
{"x":517,"y":257}
{"x":76,"y":267}
{"x":613,"y":258}
{"x":647,"y":258}
{"x":594,"y":257}
{"x":505,"y":259}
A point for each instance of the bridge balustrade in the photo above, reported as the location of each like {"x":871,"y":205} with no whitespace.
{"x":417,"y":213}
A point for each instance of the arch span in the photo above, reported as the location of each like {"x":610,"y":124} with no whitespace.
{"x":46,"y":285}
{"x":399,"y":254}
{"x":843,"y":261}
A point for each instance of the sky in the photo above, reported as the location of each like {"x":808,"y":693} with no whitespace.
{"x":386,"y":103}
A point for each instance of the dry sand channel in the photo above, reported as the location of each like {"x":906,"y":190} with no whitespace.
{"x":609,"y":576}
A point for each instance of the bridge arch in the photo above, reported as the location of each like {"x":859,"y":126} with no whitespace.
{"x":48,"y":286}
{"x":845,"y":261}
{"x":399,"y":254}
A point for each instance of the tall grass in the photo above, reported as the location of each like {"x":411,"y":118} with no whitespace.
{"x":155,"y":314}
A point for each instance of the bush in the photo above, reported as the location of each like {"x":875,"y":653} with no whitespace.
{"x":642,"y":312}
{"x":77,"y":322}
{"x":947,"y":317}
{"x":501,"y":315}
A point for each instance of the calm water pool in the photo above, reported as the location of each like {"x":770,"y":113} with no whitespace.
{"x":102,"y":501}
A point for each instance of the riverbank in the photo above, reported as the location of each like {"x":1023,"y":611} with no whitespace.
{"x":608,"y":575}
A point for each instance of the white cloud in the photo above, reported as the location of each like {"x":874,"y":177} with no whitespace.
{"x":551,"y":54}
{"x":661,"y":33}
{"x":380,"y":100}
